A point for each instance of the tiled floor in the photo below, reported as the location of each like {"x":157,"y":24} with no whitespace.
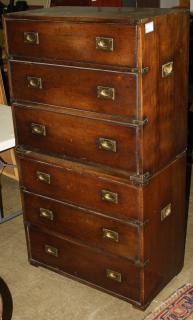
{"x":43,"y":295}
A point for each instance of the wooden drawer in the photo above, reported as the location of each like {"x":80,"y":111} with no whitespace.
{"x":111,"y":273}
{"x":89,"y":227}
{"x":88,"y":187}
{"x":65,"y":135}
{"x":77,"y":42}
{"x":87,"y":89}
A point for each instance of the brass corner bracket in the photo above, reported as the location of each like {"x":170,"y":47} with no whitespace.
{"x":140,"y":179}
{"x":140,"y":123}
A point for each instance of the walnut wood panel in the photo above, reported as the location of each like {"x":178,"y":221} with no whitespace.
{"x":72,"y":87}
{"x":164,"y":101}
{"x":85,"y":263}
{"x":66,"y":135}
{"x":69,"y":183}
{"x":164,"y":240}
{"x":86,"y":226}
{"x":72,"y":42}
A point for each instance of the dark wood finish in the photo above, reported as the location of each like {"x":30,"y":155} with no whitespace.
{"x":131,"y":16}
{"x":80,"y":187}
{"x":164,"y":241}
{"x":161,"y":247}
{"x":137,"y":192}
{"x":86,"y":263}
{"x":168,"y":96}
{"x":66,"y":136}
{"x":72,"y":221}
{"x":70,"y":44}
{"x":64,"y":86}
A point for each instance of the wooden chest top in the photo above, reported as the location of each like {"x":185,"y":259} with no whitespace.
{"x":95,"y":14}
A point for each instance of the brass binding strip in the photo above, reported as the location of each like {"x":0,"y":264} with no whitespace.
{"x":143,"y":70}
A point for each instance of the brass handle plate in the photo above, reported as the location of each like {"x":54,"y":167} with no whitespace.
{"x":46,"y":214}
{"x":43,"y":177}
{"x":166,"y":212}
{"x":105,"y":93}
{"x":31,"y":37}
{"x":109,"y":196}
{"x":105,"y":44}
{"x":34,"y":82}
{"x":107,"y":144}
{"x":51,"y":250}
{"x":110,"y":235}
{"x":38,"y":129}
{"x":167,"y":69}
{"x":114,"y":275}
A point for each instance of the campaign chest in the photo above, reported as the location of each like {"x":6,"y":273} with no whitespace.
{"x":99,"y":99}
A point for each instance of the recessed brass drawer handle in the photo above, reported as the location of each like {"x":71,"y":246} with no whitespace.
{"x":31,"y":37}
{"x":107,"y":144}
{"x":166,"y":212}
{"x":113,"y":275}
{"x":105,"y":44}
{"x":34,"y":82}
{"x":109,"y":196}
{"x":43,"y":177}
{"x":110,"y":235}
{"x":38,"y":129}
{"x":51,"y":250}
{"x":46,"y":214}
{"x":105,"y":93}
{"x":167,"y":69}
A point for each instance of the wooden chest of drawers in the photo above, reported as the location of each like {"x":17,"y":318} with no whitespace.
{"x":99,"y":100}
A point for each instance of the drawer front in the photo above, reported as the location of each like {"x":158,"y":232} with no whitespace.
{"x":94,"y":90}
{"x":108,"y":44}
{"x":81,"y":138}
{"x":91,"y":228}
{"x":114,"y":274}
{"x":81,"y":187}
